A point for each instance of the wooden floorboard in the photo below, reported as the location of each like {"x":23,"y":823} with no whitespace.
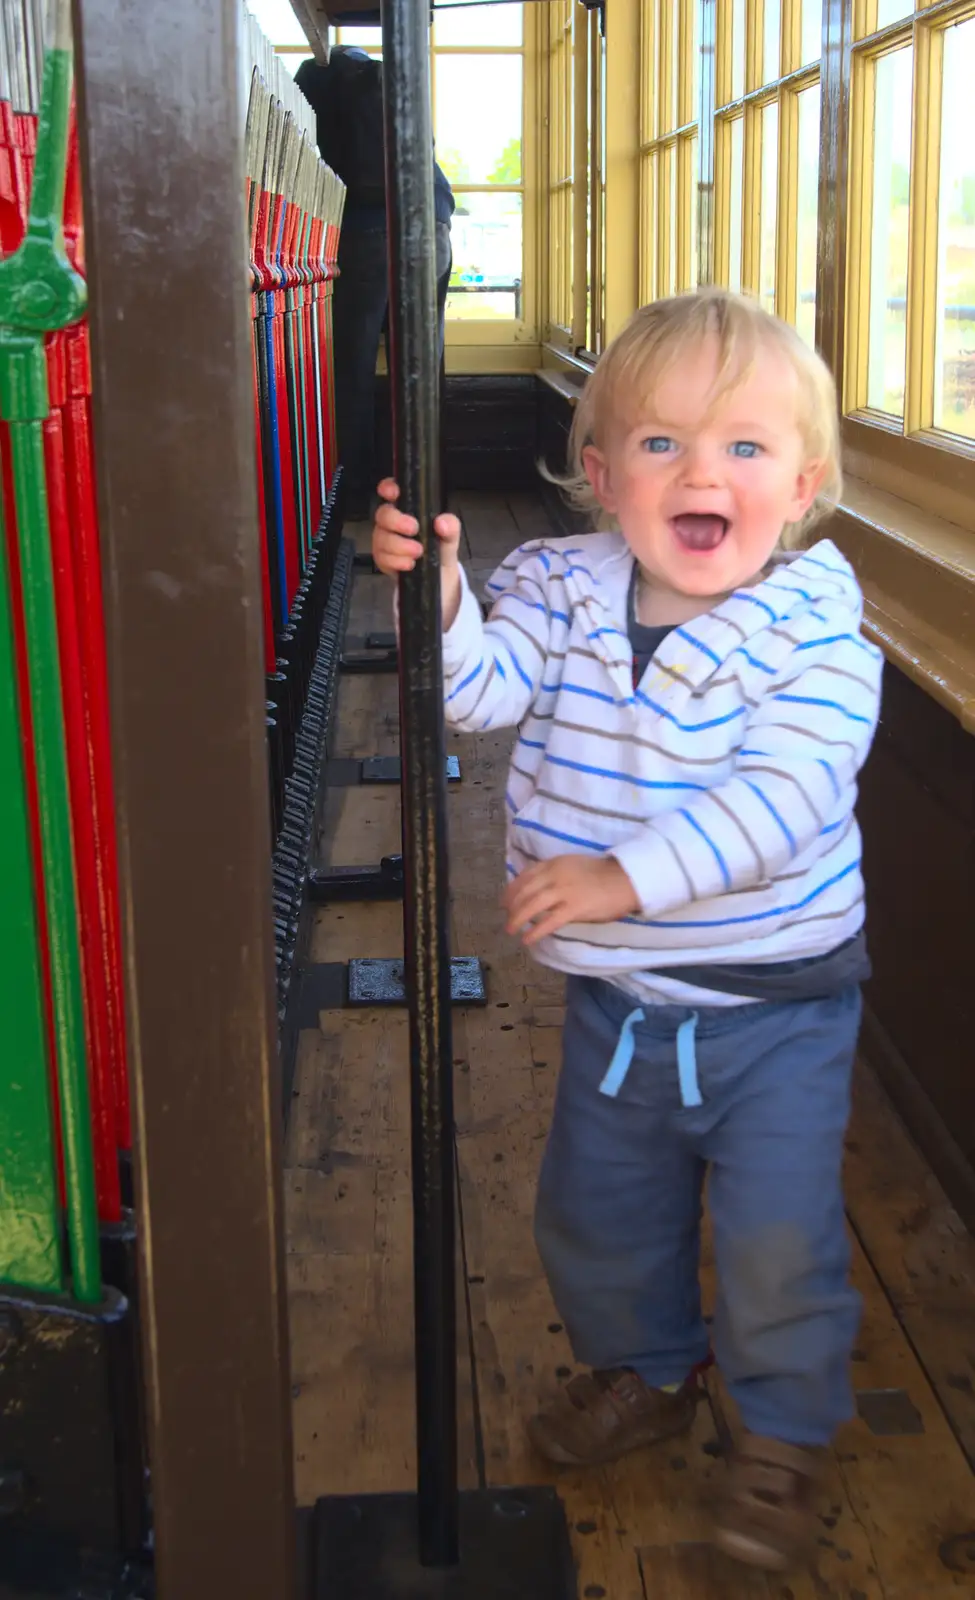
{"x":921,"y":1250}
{"x":896,"y":1509}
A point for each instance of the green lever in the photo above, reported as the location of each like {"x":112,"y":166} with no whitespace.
{"x":39,"y":292}
{"x":30,"y":1246}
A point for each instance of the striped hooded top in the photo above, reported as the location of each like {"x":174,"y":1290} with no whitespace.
{"x":724,"y":783}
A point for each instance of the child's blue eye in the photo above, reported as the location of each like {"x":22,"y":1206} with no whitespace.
{"x":658,"y":444}
{"x":746,"y":449}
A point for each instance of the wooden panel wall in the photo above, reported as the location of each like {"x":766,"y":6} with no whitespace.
{"x":490,"y":431}
{"x":917,"y":812}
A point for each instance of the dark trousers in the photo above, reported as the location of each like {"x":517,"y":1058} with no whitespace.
{"x":360,"y":313}
{"x":619,"y":1200}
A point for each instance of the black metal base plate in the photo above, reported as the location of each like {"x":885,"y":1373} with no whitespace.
{"x":382,"y":983}
{"x":382,"y":882}
{"x":331,"y":985}
{"x":514,"y":1546}
{"x":344,"y":771}
{"x":386,"y":769}
{"x":71,"y":1452}
{"x":49,"y":1569}
{"x":889,"y":1412}
{"x":368,"y":662}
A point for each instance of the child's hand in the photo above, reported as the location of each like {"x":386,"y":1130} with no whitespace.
{"x":396,"y":549}
{"x":568,"y":889}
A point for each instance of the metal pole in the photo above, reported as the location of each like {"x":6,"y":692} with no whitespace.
{"x":416,"y":451}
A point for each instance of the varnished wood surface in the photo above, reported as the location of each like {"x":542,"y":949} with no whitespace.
{"x":896,"y":1509}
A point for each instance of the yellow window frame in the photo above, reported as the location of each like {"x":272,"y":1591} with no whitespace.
{"x":500,"y":343}
{"x":669,"y":132}
{"x":895,"y":456}
{"x":784,"y":91}
{"x":567,"y":155}
{"x":560,"y":175}
{"x":473,"y":334}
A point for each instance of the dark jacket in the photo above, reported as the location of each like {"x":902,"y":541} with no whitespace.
{"x":324,"y":87}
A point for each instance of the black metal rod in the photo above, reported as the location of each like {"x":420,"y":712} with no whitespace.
{"x":415,"y":364}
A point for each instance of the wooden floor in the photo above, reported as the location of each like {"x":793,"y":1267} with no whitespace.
{"x":898,"y":1516}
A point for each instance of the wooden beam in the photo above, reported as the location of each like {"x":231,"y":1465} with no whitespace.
{"x":314,"y":23}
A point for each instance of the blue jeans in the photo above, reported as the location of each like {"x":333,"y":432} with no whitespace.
{"x":619,"y":1202}
{"x":360,"y":306}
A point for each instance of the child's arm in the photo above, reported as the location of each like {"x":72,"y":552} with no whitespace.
{"x":802,"y":748}
{"x":492,"y":673}
{"x":801,"y":751}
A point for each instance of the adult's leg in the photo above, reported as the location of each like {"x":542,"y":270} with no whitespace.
{"x":444,"y":264}
{"x":361,"y":294}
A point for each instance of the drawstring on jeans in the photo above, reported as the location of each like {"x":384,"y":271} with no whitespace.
{"x":690,"y":1089}
{"x":622,"y":1056}
{"x":615,"y":1075}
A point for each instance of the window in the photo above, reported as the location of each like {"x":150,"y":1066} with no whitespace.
{"x":670,"y":79}
{"x":591,"y":182}
{"x":572,"y":55}
{"x":478,"y":94}
{"x":478,"y":103}
{"x":562,"y":113}
{"x":767,"y":137}
{"x":362,"y":38}
{"x":954,"y":333}
{"x":910,"y":320}
{"x":479,"y":122}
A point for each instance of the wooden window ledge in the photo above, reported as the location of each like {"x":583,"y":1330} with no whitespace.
{"x":917,"y":573}
{"x":560,"y":383}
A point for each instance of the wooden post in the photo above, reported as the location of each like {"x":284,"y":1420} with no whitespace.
{"x":162,"y":122}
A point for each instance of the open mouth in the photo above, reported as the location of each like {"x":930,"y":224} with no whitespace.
{"x":700,"y":531}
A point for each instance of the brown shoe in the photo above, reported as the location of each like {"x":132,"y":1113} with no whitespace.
{"x":600,"y":1416}
{"x":766,"y":1516}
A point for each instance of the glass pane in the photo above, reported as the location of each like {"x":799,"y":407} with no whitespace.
{"x":362,"y":38}
{"x":770,"y":185}
{"x":738,"y":49}
{"x":648,"y":98}
{"x":674,"y":66}
{"x":808,"y":197}
{"x":772,"y":35}
{"x":646,"y":228}
{"x":478,"y":118}
{"x":277,"y":21}
{"x":693,"y":261}
{"x":812,"y":31}
{"x":889,"y":11}
{"x":954,"y":394}
{"x":655,"y":223}
{"x":486,"y":237}
{"x":694,"y":109}
{"x":887,"y":344}
{"x":493,"y":25}
{"x":674,"y":214}
{"x":737,"y":168}
{"x":656,"y":99}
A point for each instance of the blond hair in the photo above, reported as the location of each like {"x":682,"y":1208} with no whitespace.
{"x":656,"y":337}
